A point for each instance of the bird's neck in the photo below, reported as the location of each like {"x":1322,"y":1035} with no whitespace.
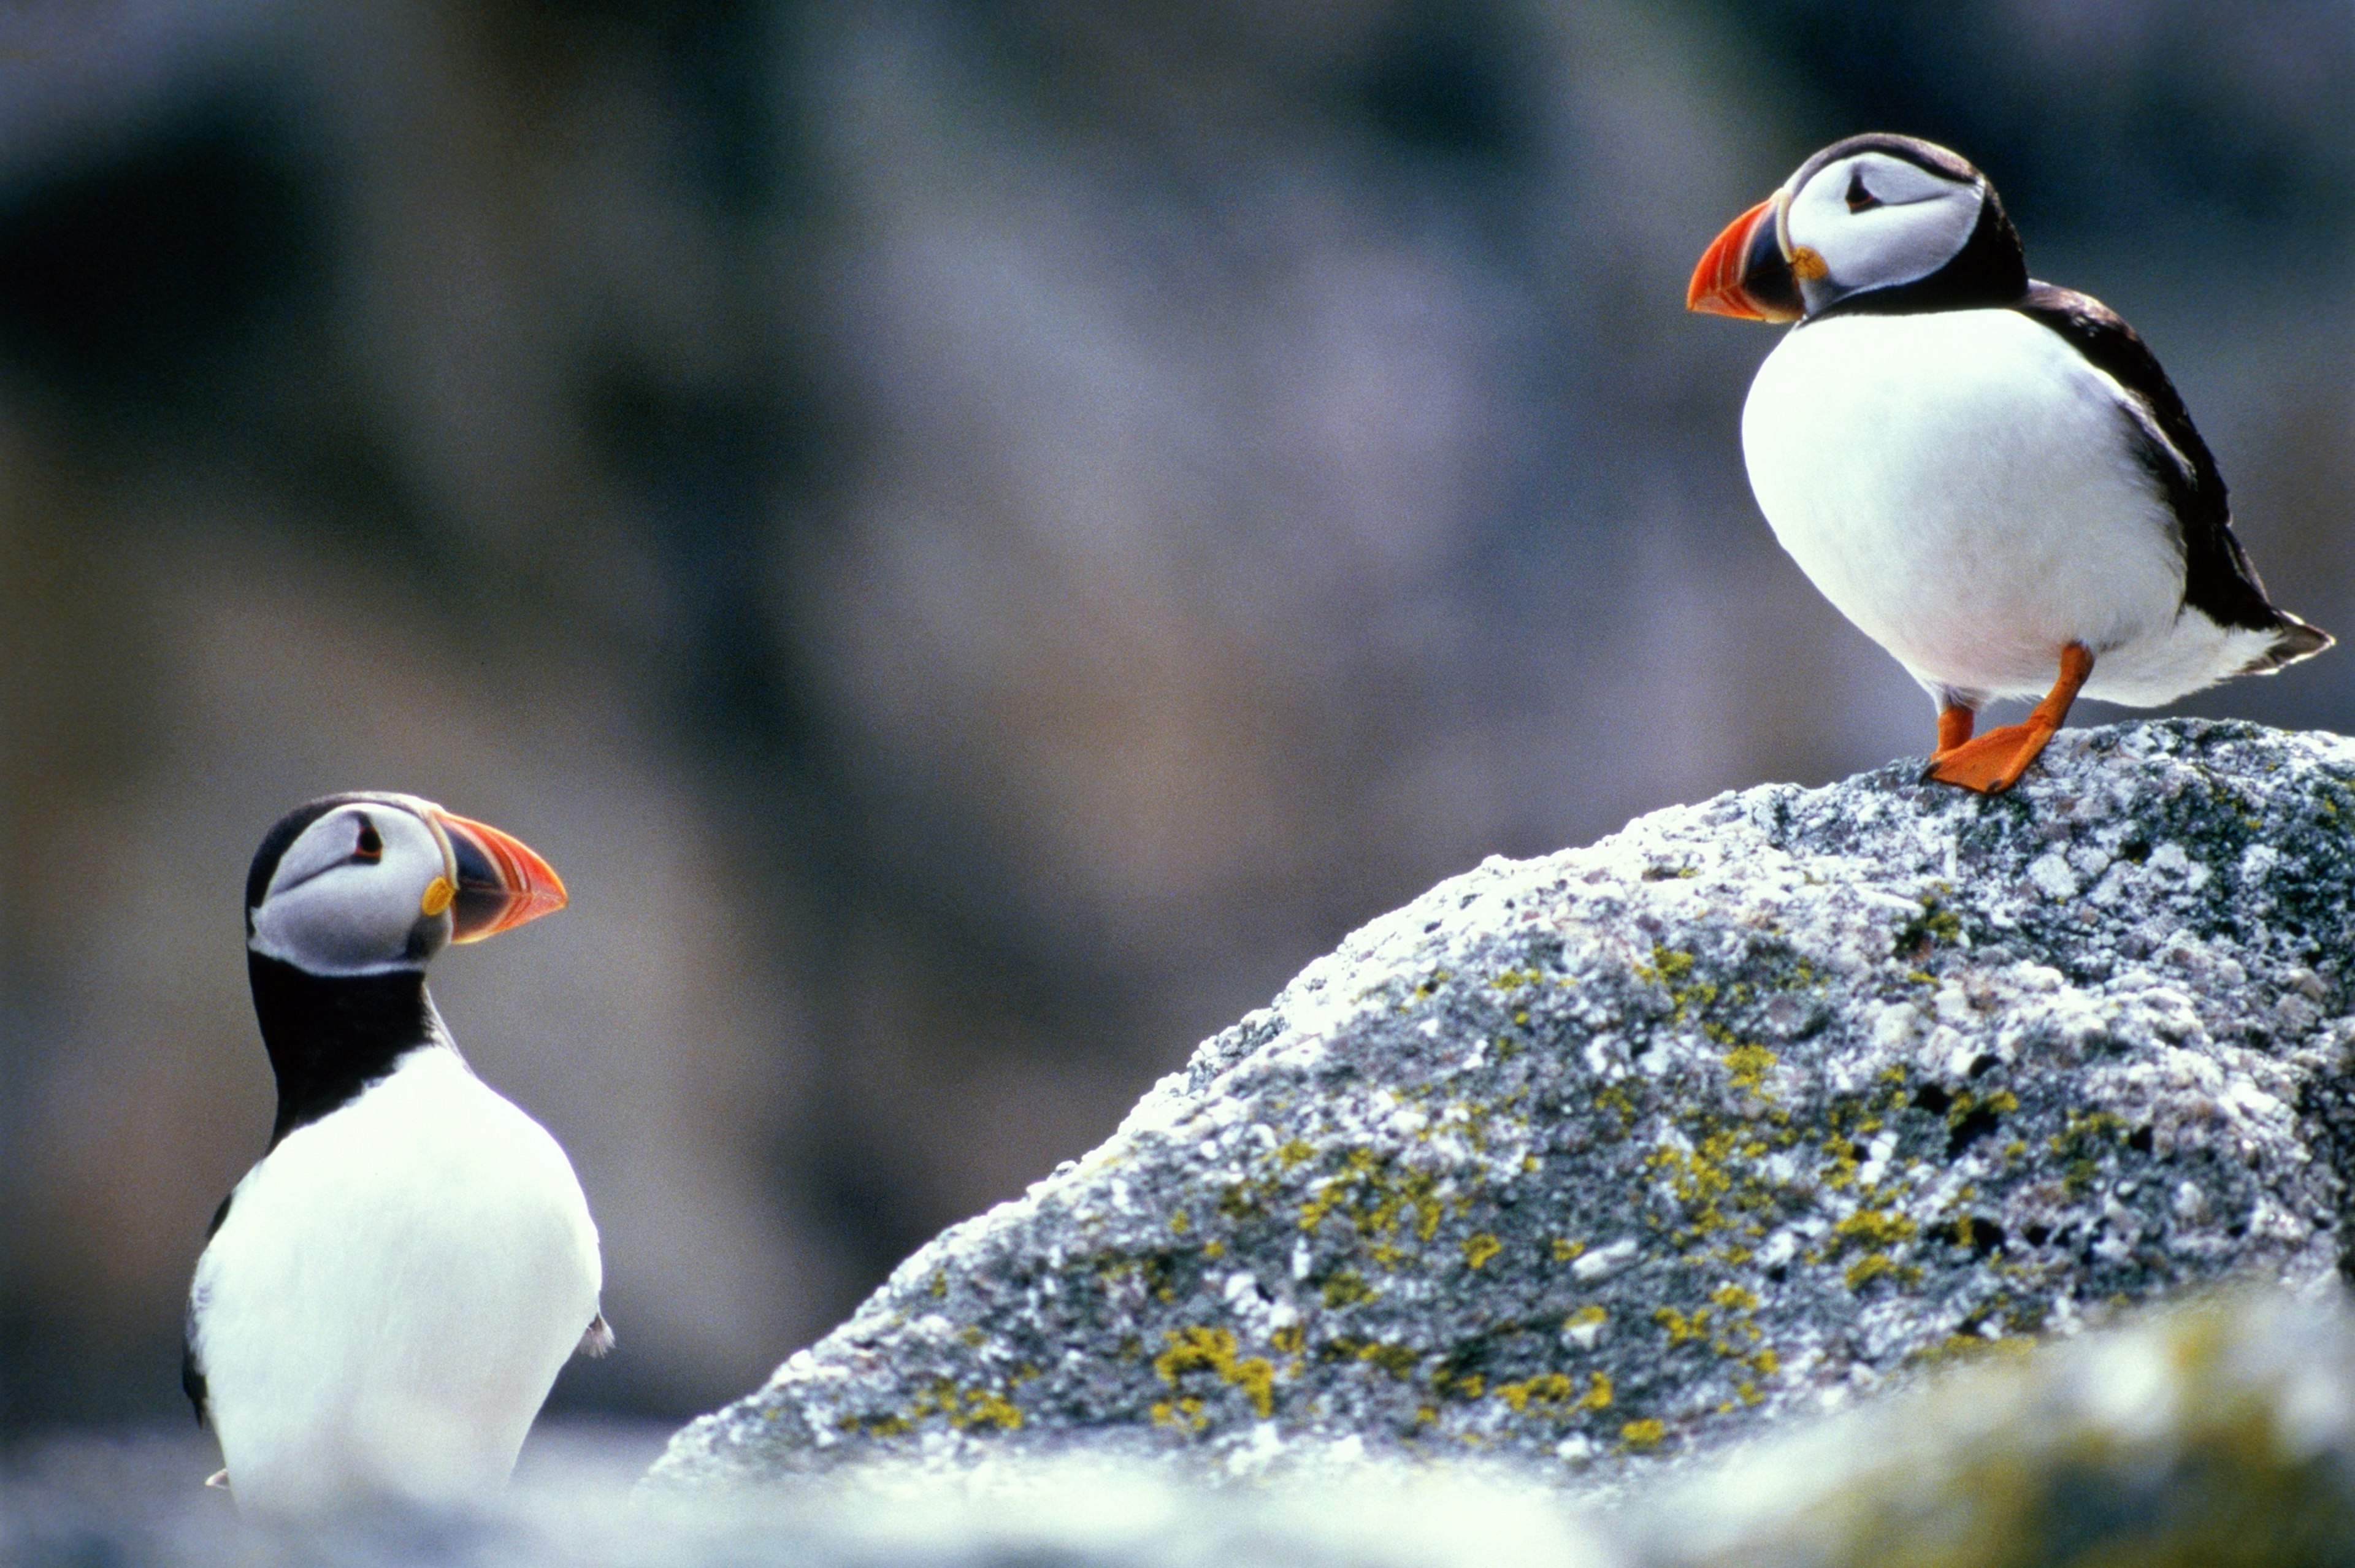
{"x":331,"y":1036}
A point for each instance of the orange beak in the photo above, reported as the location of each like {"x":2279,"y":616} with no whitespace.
{"x":501,"y":881}
{"x":1744,"y":273}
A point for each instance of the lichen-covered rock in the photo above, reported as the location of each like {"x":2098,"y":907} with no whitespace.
{"x":2219,"y":1433}
{"x":1619,"y":1154}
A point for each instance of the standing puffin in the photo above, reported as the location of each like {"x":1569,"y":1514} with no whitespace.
{"x":1992,"y":476}
{"x":386,"y":1298}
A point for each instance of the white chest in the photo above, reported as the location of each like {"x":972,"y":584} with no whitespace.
{"x":393,"y":1292}
{"x":1964,"y":486}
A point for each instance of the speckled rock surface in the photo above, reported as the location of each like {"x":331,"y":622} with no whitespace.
{"x":1615,"y":1155}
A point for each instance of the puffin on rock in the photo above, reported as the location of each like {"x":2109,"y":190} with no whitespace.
{"x":1989,"y":475}
{"x":387,"y":1297}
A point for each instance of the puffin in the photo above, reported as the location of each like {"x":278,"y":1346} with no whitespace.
{"x":1990,"y":476}
{"x":385,"y":1299}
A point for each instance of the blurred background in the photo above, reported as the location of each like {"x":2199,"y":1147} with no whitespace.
{"x":978,"y":535}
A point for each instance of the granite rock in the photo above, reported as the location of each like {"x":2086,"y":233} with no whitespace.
{"x":1616,"y":1156}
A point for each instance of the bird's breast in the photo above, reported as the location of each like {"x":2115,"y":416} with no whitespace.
{"x":394,"y":1289}
{"x":1964,"y":486}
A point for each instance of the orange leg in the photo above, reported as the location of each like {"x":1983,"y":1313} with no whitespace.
{"x":1993,"y":762}
{"x":1954,"y":729}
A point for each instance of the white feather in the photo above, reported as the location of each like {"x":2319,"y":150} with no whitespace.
{"x":1962,"y":484}
{"x":392,"y":1294}
{"x":330,"y":913}
{"x":1922,"y":221}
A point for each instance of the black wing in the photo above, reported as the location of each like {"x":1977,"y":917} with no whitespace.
{"x":2218,"y":580}
{"x":192,"y":1374}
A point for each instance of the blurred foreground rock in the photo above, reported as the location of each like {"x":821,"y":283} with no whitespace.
{"x":87,"y":1503}
{"x":2221,"y":1433}
{"x":1624,"y":1153}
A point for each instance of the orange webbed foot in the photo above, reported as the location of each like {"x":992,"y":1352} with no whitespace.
{"x":1993,"y":762}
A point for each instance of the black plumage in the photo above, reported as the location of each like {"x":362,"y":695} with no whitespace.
{"x":329,"y":1037}
{"x":2218,"y":580}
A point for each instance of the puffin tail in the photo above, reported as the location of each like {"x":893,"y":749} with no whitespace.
{"x":2292,"y":640}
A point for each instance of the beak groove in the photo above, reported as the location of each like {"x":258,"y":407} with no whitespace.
{"x":502,"y":881}
{"x":1744,"y":273}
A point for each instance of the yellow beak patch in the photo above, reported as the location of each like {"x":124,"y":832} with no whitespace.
{"x":438,"y":894}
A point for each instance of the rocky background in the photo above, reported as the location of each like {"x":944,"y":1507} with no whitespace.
{"x":980,"y":539}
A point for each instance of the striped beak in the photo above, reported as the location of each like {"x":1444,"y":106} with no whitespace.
{"x":501,"y":882}
{"x":1746,"y":272}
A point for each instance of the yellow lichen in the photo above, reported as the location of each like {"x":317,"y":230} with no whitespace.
{"x":1546,"y":1388}
{"x":1480,"y":1247}
{"x":1868,"y":1268}
{"x":1872,"y":1228}
{"x":982,"y":1406}
{"x":1644,"y":1433}
{"x":1200,"y":1348}
{"x":1750,"y":1063}
{"x":1556,"y":1394}
{"x":1669,"y":967}
{"x":1680,"y":1327}
{"x":1186,"y":1413}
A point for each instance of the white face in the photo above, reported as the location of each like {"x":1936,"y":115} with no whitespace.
{"x":350,"y":894}
{"x":1874,"y":220}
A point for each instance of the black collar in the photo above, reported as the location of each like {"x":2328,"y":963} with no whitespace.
{"x":329,"y":1037}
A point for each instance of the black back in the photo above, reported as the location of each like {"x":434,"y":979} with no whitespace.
{"x":2218,"y":580}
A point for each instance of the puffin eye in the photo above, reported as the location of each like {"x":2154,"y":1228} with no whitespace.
{"x":1859,"y":199}
{"x":371,"y":846}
